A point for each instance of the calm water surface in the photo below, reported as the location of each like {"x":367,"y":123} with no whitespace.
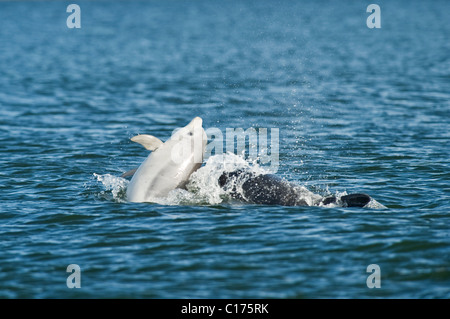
{"x":358,"y":110}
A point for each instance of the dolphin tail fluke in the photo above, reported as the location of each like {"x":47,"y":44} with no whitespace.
{"x":150,"y":142}
{"x":356,"y":200}
{"x":352,"y":200}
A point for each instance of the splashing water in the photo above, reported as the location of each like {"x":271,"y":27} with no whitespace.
{"x":204,"y":182}
{"x":203,"y":187}
{"x":115,"y":185}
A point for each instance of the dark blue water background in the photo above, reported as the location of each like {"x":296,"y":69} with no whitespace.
{"x":358,"y":110}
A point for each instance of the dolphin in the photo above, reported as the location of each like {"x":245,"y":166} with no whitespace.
{"x":169,"y":165}
{"x":269,"y":189}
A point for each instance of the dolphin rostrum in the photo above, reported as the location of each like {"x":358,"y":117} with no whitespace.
{"x":169,"y":165}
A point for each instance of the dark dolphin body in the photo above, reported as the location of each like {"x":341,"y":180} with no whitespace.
{"x":272,"y":190}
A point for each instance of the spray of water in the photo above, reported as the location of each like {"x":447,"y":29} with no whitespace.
{"x":203,"y":187}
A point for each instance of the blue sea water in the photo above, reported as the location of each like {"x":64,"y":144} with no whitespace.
{"x":358,"y":110}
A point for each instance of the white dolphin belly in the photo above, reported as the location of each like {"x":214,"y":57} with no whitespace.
{"x":169,"y":165}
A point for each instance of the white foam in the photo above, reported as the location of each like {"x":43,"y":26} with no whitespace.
{"x":114,"y":184}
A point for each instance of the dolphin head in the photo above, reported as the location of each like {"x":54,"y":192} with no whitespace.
{"x":190,"y":142}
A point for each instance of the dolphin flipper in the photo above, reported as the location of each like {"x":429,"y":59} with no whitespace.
{"x":148,"y":141}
